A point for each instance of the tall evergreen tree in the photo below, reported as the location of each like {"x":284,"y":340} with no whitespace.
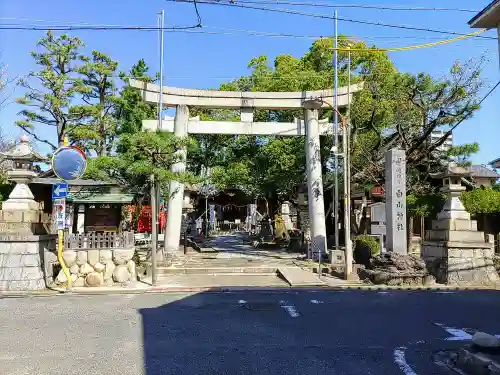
{"x":51,"y":90}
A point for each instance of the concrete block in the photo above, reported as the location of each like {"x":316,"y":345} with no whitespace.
{"x":19,"y":260}
{"x":337,"y":256}
{"x":12,"y":216}
{"x":31,"y":216}
{"x":17,"y":273}
{"x":428,"y":251}
{"x":22,"y":285}
{"x":453,"y":224}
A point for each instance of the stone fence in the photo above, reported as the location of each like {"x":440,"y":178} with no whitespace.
{"x":94,"y":259}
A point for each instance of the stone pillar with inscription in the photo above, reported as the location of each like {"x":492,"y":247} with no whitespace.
{"x":395,"y":188}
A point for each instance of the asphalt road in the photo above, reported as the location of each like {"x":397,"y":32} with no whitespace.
{"x":256,"y":332}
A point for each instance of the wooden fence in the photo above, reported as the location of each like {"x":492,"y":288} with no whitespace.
{"x":75,"y":241}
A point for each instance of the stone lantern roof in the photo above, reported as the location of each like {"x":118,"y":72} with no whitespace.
{"x":452,"y":170}
{"x":23,"y":151}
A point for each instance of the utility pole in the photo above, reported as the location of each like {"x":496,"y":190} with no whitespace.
{"x":161,"y":23}
{"x":154,"y":187}
{"x":154,"y":228}
{"x":346,"y":132}
{"x":336,"y":137}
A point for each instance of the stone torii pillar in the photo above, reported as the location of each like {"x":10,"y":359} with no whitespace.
{"x":176,"y":188}
{"x":314,"y":177}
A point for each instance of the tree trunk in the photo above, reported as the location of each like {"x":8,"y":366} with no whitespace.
{"x":102,"y":126}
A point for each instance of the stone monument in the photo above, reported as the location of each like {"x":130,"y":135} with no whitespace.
{"x":454,"y":250}
{"x":22,"y":235}
{"x":395,"y":190}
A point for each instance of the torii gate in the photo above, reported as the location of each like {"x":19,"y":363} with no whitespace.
{"x":311,"y":128}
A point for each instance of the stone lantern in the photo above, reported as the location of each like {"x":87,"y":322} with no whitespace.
{"x":452,"y":186}
{"x":454,"y":250}
{"x":20,"y":243}
{"x":21,"y":156}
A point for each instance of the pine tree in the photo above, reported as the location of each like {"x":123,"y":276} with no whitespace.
{"x":51,"y":90}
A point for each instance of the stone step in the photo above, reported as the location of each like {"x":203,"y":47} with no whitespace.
{"x":296,"y":277}
{"x":456,"y":236}
{"x":267,"y":270}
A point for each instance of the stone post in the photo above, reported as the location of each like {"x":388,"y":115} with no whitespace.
{"x":395,"y":193}
{"x":176,"y":188}
{"x":314,"y":178}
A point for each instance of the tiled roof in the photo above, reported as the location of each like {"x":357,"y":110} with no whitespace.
{"x":482,"y":171}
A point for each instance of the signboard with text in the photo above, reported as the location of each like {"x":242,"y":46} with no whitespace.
{"x":60,"y":213}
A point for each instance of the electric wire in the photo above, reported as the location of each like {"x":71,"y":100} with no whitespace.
{"x":239,"y":32}
{"x":356,"y":6}
{"x":221,"y":30}
{"x":324,"y":16}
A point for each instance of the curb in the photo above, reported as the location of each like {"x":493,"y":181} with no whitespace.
{"x":230,"y":289}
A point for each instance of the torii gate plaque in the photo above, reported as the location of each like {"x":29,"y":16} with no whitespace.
{"x":311,"y":128}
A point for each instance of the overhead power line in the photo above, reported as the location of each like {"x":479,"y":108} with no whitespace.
{"x":324,"y":16}
{"x":220,"y":30}
{"x":356,"y":6}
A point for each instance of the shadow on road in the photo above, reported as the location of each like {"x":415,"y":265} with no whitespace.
{"x":266,"y":332}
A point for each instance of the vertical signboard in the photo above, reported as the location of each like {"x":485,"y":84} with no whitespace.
{"x":253,"y":214}
{"x":60,"y":213}
{"x":211,"y":209}
{"x":395,"y":172}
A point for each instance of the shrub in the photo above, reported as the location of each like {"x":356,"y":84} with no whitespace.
{"x":365,"y":247}
{"x":481,"y":201}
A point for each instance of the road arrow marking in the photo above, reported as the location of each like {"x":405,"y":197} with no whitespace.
{"x":400,"y":360}
{"x":316,"y":302}
{"x":290,"y":309}
{"x":457,"y":334}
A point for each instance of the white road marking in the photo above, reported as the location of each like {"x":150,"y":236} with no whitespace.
{"x":445,"y":292}
{"x":316,"y":302}
{"x":383,"y":292}
{"x":290,"y":309}
{"x":400,"y":360}
{"x":457,"y":334}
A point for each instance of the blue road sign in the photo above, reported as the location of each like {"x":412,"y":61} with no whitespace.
{"x":59,"y":190}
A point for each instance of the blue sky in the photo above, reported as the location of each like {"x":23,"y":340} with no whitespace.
{"x":205,"y":60}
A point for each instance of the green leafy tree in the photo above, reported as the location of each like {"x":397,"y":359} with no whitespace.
{"x":99,"y":127}
{"x":51,"y":90}
{"x":137,"y":154}
{"x":137,"y":162}
{"x":131,"y":109}
{"x":392,"y":110}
